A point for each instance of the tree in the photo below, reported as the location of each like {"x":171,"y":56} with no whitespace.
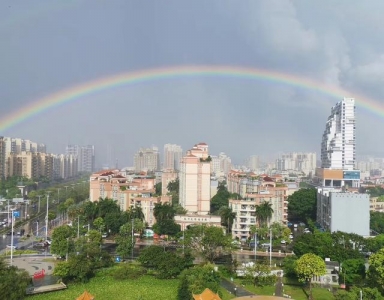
{"x":302,"y":205}
{"x":158,"y":188}
{"x":221,"y":198}
{"x":99,"y":224}
{"x":163,"y":212}
{"x":125,"y":241}
{"x":195,"y":280}
{"x":13,"y":281}
{"x":62,"y":240}
{"x":209,"y":242}
{"x":259,"y":274}
{"x":353,"y":271}
{"x":377,"y":221}
{"x":375,"y":272}
{"x":264,"y":213}
{"x":310,"y":265}
{"x":167,"y":264}
{"x":227,"y":217}
{"x":167,"y":227}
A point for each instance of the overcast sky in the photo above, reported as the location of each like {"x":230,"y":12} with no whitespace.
{"x":48,"y":46}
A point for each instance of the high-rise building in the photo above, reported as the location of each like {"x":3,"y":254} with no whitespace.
{"x":72,"y":150}
{"x":2,"y":159}
{"x":172,"y":156}
{"x":294,"y":161}
{"x":86,"y":161}
{"x":338,"y":148}
{"x":254,"y":162}
{"x":338,"y":143}
{"x":339,"y":205}
{"x":85,"y":156}
{"x":195,"y":180}
{"x":147,"y":159}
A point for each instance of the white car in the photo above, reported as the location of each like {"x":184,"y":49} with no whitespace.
{"x":14,"y":247}
{"x":283,"y":242}
{"x":291,"y":236}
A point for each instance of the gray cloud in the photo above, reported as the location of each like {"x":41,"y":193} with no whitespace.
{"x":45,"y":49}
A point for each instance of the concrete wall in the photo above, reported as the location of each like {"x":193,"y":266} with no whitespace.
{"x":350,"y":213}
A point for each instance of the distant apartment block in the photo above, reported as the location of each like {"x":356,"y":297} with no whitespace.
{"x":172,"y":157}
{"x":30,"y":165}
{"x":128,"y":192}
{"x":254,"y":162}
{"x":195,"y":180}
{"x":338,"y":210}
{"x":85,"y":155}
{"x":147,"y":159}
{"x":17,"y":145}
{"x":297,"y":161}
{"x":220,"y":165}
{"x":3,"y":173}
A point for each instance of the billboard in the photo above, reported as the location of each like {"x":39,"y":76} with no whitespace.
{"x":351,"y":175}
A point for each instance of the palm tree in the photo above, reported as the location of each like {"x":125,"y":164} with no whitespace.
{"x":227,"y":217}
{"x":264,"y":212}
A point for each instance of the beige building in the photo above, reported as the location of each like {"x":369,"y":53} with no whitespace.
{"x":147,"y":159}
{"x":195,"y":180}
{"x":30,"y":164}
{"x":172,"y":156}
{"x":167,"y":176}
{"x":129,"y":193}
{"x":2,"y":159}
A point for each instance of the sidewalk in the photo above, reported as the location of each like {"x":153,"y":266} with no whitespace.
{"x":235,"y":289}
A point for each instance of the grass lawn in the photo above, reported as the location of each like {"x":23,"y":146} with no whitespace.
{"x":107,"y":288}
{"x":296,"y":292}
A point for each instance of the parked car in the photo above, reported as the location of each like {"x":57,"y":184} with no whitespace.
{"x":283,"y":242}
{"x":14,"y":247}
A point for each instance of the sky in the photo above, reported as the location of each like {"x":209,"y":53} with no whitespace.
{"x":50,"y":46}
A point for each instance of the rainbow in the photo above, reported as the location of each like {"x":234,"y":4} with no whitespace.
{"x":136,"y":77}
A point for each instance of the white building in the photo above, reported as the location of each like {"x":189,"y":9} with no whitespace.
{"x":172,"y":156}
{"x":338,"y":143}
{"x":254,"y":162}
{"x":343,"y":211}
{"x":195,"y":180}
{"x":147,"y":159}
{"x":297,"y":161}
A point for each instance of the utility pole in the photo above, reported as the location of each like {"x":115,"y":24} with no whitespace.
{"x":270,"y":248}
{"x":255,"y":245}
{"x":78,"y":226}
{"x":132,"y":241}
{"x":12,"y":210}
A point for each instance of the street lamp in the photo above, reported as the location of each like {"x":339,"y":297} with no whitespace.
{"x":38,"y":209}
{"x":12,"y":210}
{"x":46,"y":218}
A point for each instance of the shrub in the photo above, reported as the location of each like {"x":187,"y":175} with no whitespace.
{"x":128,"y":271}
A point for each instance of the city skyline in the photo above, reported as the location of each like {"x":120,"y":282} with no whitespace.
{"x":49,"y":49}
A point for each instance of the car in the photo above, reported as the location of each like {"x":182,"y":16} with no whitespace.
{"x":291,"y":236}
{"x":14,"y":247}
{"x":283,"y":242}
{"x":104,"y":235}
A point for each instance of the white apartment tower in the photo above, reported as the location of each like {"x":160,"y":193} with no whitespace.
{"x":147,"y":159}
{"x":172,"y":157}
{"x":254,"y":162}
{"x":85,"y":156}
{"x":195,"y":180}
{"x":338,"y":143}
